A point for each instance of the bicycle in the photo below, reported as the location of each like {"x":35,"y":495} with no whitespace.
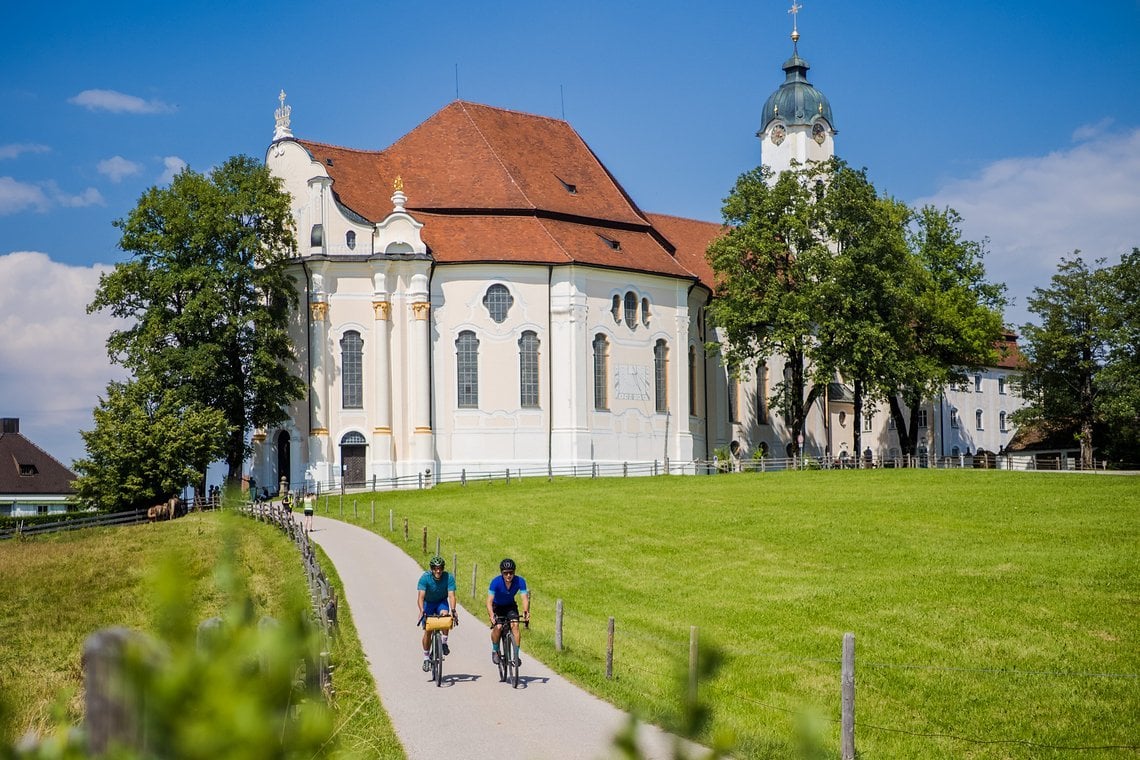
{"x":437,"y":625}
{"x":508,"y":651}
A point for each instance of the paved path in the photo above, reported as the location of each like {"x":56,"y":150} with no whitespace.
{"x":472,"y":714}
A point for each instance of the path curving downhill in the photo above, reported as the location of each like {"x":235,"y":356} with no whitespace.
{"x":473,"y":714}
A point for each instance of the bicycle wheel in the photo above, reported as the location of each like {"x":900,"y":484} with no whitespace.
{"x":437,"y":658}
{"x":504,"y":655}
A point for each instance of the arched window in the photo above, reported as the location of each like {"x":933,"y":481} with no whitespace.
{"x":1001,"y":422}
{"x":317,"y":236}
{"x":733,"y":399}
{"x":692,"y":381}
{"x":615,"y":309}
{"x":978,"y":420}
{"x":352,"y":371}
{"x":498,"y":301}
{"x":528,"y":369}
{"x":660,"y":373}
{"x":467,"y":370}
{"x":350,"y":240}
{"x":762,"y":393}
{"x":601,"y":371}
{"x":645,"y":311}
{"x":630,"y":310}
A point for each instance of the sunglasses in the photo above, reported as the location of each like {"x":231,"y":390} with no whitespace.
{"x":508,"y":572}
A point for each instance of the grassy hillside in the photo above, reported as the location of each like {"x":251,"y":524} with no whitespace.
{"x":61,"y":588}
{"x":995,"y":614}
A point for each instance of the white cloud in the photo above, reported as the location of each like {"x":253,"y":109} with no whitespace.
{"x":53,"y":359}
{"x":118,"y":102}
{"x":89,"y":197}
{"x":173,"y":165}
{"x":117,"y":167}
{"x":15,"y":150}
{"x":17,"y":196}
{"x":1035,"y":210}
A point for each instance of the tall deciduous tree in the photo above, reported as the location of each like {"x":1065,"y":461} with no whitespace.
{"x":769,"y":264}
{"x":146,"y":446}
{"x":208,"y":297}
{"x":954,"y":320}
{"x":1082,"y":364}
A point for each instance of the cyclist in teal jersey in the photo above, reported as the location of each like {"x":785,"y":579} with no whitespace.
{"x":435,"y":595}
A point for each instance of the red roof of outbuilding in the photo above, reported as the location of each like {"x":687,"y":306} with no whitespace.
{"x":26,"y":469}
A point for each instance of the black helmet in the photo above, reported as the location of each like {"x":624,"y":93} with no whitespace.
{"x":507,"y":564}
{"x":436,"y":561}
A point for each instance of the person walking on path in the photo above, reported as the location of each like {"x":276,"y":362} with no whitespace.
{"x":435,"y":595}
{"x":501,"y":603}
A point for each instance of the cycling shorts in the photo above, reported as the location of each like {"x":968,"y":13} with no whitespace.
{"x":509,"y":611}
{"x":436,"y":608}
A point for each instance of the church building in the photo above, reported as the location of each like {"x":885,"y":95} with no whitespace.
{"x":483,"y":294}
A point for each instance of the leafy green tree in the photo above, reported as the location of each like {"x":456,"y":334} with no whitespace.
{"x":865,"y":300}
{"x":954,"y":319}
{"x":769,"y":265}
{"x":1081,"y":372}
{"x":208,"y":297}
{"x":1121,"y":377}
{"x":146,"y":446}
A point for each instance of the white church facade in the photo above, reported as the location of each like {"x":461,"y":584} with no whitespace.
{"x":483,"y":294}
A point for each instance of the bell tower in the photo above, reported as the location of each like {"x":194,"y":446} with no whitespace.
{"x":796,"y":123}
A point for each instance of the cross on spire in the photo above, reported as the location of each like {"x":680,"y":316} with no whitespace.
{"x":795,"y":11}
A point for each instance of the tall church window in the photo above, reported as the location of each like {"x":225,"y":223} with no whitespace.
{"x":692,"y":381}
{"x":351,"y":371}
{"x":733,"y":399}
{"x":528,"y":369}
{"x":601,"y":371}
{"x":645,"y":311}
{"x":467,"y":370}
{"x":660,"y":374}
{"x":498,"y":301}
{"x":762,"y":393}
{"x":615,"y":309}
{"x":631,"y":309}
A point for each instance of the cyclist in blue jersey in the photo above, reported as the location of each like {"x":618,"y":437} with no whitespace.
{"x":502,"y":602}
{"x":435,"y":596}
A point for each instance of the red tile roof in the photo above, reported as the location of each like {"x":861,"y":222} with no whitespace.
{"x":1009,"y":355}
{"x":496,"y":185}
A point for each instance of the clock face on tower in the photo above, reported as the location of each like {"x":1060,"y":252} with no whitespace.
{"x":818,"y":133}
{"x":778,"y":133}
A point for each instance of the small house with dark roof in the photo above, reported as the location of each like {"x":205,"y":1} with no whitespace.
{"x":32,"y":481}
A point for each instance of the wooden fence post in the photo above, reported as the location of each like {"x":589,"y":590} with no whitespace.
{"x":558,"y":626}
{"x":437,"y":547}
{"x":425,"y":539}
{"x":474,"y":574}
{"x":847,"y":698}
{"x":693,"y":637}
{"x":405,"y":530}
{"x":610,"y":651}
{"x":111,"y":710}
{"x":391,"y":518}
{"x":373,"y":501}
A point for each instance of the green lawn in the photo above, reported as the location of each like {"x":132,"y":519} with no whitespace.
{"x":995,"y":613}
{"x":60,"y":588}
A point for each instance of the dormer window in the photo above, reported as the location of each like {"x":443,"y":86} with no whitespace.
{"x":567,"y":186}
{"x":329,"y":161}
{"x":28,"y":470}
{"x":614,"y":244}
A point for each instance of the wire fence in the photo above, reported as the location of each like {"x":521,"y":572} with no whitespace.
{"x":698,"y":467}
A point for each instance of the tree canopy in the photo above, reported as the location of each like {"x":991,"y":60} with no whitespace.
{"x":208,"y":298}
{"x":815,"y":265}
{"x":1082,"y":372}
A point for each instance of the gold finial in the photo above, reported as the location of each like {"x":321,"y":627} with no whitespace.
{"x":795,"y":10}
{"x":398,"y":185}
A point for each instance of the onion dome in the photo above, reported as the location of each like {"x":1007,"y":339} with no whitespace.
{"x":796,"y":102}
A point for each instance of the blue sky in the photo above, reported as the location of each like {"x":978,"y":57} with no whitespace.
{"x":1023,"y":116}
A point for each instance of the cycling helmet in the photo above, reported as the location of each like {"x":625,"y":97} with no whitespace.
{"x":507,"y":564}
{"x":436,"y":561}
